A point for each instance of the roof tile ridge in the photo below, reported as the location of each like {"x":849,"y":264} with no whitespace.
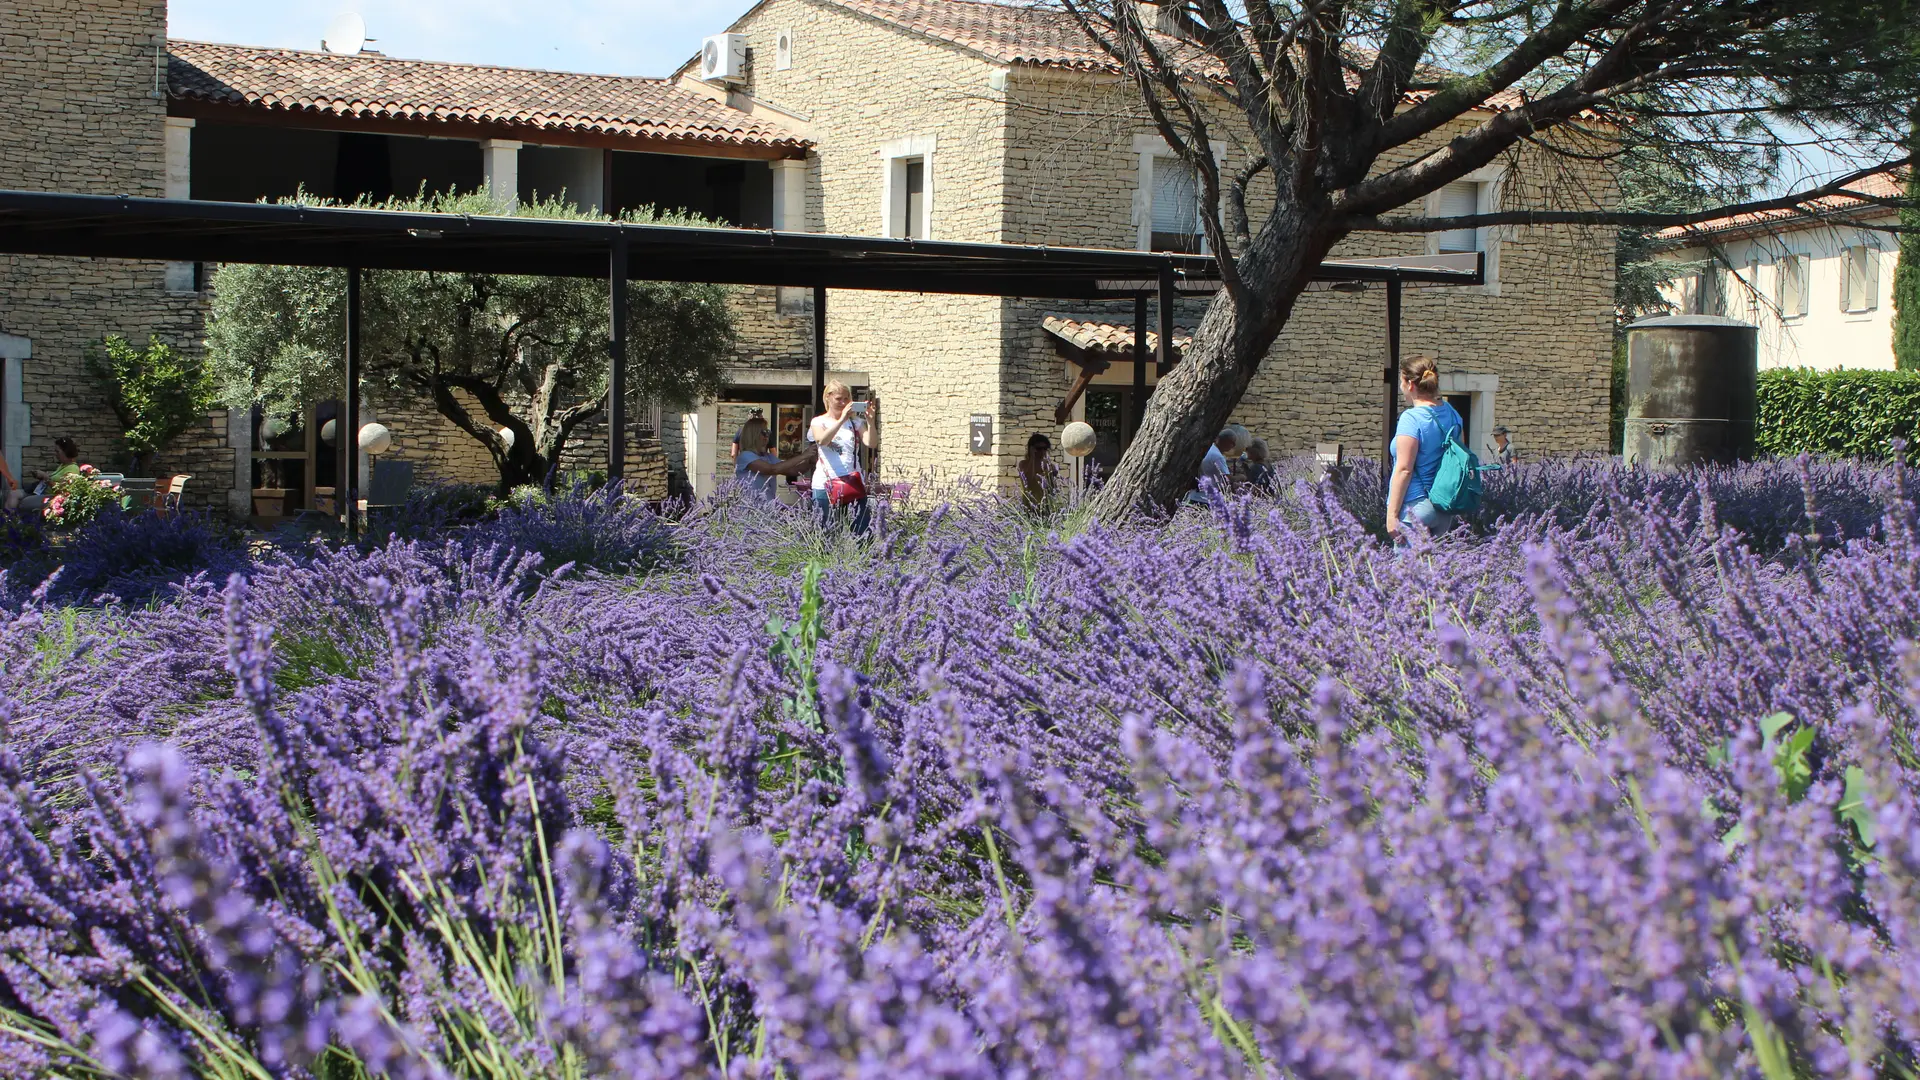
{"x":656,"y":80}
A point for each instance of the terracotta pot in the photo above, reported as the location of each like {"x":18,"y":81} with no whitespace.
{"x":269,"y":502}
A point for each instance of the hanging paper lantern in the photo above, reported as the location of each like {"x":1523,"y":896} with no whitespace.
{"x":1079,"y":438}
{"x":375,"y":439}
{"x":273,"y":427}
{"x":326,"y":433}
{"x":506,"y":439}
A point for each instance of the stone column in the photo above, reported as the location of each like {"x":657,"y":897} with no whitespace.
{"x":500,"y":161}
{"x":789,"y":195}
{"x":14,"y":352}
{"x":179,"y":185}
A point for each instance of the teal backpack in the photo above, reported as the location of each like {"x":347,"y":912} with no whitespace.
{"x":1456,"y":487}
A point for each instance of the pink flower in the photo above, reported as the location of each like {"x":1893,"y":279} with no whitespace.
{"x":56,"y":506}
{"x":87,"y":470}
{"x":104,"y":482}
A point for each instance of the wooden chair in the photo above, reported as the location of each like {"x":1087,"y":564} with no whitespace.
{"x":166,"y":496}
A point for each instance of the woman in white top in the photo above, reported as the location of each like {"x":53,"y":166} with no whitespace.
{"x":759,"y":471}
{"x":838,"y":482}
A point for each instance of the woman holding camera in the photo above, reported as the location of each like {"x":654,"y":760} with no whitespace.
{"x":838,"y":481}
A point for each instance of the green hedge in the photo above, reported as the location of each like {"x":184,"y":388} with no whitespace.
{"x":1847,"y":412}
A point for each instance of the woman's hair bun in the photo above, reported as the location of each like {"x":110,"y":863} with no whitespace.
{"x":1422,"y":371}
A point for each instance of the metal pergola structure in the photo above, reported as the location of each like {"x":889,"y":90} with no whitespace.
{"x":178,"y":230}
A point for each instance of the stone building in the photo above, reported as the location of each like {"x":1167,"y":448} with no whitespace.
{"x":942,"y":119}
{"x":962,"y":120}
{"x":88,"y":115}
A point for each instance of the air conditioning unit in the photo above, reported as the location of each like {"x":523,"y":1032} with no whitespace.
{"x":723,"y":58}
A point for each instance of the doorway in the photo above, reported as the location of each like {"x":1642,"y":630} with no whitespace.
{"x":1463,"y":404}
{"x":1109,"y":411}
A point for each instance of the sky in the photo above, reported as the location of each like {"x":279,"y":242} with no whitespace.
{"x":618,"y":37}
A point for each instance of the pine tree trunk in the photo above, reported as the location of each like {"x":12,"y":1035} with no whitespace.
{"x":1195,"y":400}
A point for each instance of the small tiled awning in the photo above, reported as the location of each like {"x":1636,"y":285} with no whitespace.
{"x":1109,"y":341}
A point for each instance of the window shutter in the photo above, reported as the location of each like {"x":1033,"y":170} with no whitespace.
{"x":1176,"y":197}
{"x":1869,"y":278}
{"x":1458,"y":199}
{"x":1793,"y":286}
{"x":1851,"y":274}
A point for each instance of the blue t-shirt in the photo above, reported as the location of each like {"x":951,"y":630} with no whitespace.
{"x":1431,"y":424}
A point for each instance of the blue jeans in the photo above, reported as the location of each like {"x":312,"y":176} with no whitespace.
{"x":862,"y":514}
{"x":1428,"y":516}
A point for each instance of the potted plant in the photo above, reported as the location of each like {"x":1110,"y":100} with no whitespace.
{"x":269,"y":501}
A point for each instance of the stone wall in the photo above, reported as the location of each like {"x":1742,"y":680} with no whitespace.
{"x":79,"y":75}
{"x":862,"y":84}
{"x":1545,"y":331}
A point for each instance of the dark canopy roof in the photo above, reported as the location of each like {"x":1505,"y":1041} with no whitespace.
{"x":41,"y":223}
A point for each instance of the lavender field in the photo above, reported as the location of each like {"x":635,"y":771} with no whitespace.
{"x":1624,"y":783}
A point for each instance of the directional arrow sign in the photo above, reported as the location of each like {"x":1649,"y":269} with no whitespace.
{"x":980,"y":433}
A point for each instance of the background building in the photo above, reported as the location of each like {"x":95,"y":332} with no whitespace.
{"x":944,"y":119}
{"x":1818,"y":284}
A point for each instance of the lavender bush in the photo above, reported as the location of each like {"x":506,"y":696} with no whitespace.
{"x":1627,"y":792}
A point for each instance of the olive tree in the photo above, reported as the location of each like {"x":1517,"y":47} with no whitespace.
{"x":1351,"y":111}
{"x":530,"y":352}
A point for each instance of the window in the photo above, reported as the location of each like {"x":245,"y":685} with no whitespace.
{"x":1176,"y":207}
{"x":1710,"y":291}
{"x":1793,"y":286}
{"x":1750,"y":299}
{"x":914,"y":207}
{"x":1458,"y":199}
{"x":906,"y":199}
{"x":1860,"y":278}
{"x":793,"y":300}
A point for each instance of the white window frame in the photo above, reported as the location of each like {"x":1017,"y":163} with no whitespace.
{"x":1146,"y":148}
{"x":894,"y":156}
{"x":1493,"y":183}
{"x":15,"y":351}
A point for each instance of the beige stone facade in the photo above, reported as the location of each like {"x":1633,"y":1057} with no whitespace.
{"x":81,"y":79}
{"x":1030,"y":155}
{"x":1006,"y":152}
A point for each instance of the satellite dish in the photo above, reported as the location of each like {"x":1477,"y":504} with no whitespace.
{"x":346,"y":35}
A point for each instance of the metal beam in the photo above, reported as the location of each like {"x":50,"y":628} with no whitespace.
{"x":1139,"y":363}
{"x":617,"y":358}
{"x":1390,"y":381}
{"x":819,"y":402}
{"x":346,"y":426}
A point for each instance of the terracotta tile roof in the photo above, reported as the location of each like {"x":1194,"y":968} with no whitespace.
{"x":1007,"y":33}
{"x":1045,"y":37}
{"x":1115,"y":339}
{"x":374,"y":87}
{"x":1814,"y":213}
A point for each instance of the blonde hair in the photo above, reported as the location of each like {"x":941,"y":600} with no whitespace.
{"x":834,"y":385}
{"x":753,"y":435}
{"x":1422,"y":371}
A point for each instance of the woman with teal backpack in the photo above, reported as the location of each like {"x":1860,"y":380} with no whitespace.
{"x":1429,"y":457}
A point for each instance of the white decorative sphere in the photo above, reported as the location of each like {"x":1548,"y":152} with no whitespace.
{"x":1242,"y":438}
{"x":375,"y":439}
{"x":1078,"y":438}
{"x":506,"y":439}
{"x":326,"y":433}
{"x":272,"y":428}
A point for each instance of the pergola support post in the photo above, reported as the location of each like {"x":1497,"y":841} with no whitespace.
{"x":1390,"y":385}
{"x":819,"y":380}
{"x":1139,"y":364}
{"x":346,"y":427}
{"x":1167,"y":298}
{"x":617,"y":358}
